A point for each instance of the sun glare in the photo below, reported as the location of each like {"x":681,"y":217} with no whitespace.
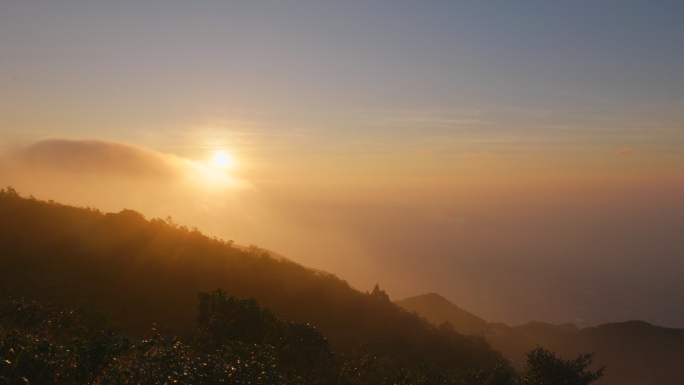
{"x":222,"y":160}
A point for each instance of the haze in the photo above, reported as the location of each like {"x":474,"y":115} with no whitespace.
{"x":523,"y":159}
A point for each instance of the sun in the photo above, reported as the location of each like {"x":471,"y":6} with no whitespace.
{"x":222,"y":160}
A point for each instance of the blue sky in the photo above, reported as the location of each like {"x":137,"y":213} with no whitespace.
{"x":216,"y":57}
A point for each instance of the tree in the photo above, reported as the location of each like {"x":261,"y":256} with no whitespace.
{"x":299,"y":347}
{"x":545,"y":368}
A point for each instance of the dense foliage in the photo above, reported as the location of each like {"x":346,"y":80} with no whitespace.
{"x":236,"y":342}
{"x":544,"y":367}
{"x":41,"y":345}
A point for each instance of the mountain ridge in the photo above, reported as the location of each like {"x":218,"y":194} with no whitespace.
{"x":634,"y":352}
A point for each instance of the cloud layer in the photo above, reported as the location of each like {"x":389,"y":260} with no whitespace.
{"x":100,"y":158}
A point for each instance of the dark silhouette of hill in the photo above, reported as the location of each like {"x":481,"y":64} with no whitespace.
{"x":438,"y":309}
{"x":150,"y":271}
{"x":634,"y":352}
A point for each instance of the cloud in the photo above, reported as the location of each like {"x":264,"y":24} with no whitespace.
{"x":625,"y":151}
{"x":94,"y":157}
{"x":54,"y":162}
{"x":113,"y":175}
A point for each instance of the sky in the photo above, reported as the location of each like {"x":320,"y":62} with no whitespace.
{"x":523,"y":159}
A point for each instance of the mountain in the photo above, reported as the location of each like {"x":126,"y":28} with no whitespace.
{"x":438,"y":309}
{"x":149,"y":271}
{"x":633,"y":352}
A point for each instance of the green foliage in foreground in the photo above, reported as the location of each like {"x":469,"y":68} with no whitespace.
{"x":236,"y":342}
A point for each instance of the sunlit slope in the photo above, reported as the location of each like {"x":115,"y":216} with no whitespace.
{"x":150,"y":271}
{"x":273,"y":254}
{"x":634,"y":352}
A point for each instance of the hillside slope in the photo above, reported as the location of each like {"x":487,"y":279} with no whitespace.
{"x":634,"y":352}
{"x":145,"y":272}
{"x":438,"y":309}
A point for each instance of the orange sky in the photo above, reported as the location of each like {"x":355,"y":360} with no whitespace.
{"x":488,"y":237}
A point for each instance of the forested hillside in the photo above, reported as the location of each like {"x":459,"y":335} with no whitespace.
{"x":634,"y":352}
{"x":150,"y":271}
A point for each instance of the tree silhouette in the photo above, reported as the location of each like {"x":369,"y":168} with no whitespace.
{"x":545,"y":368}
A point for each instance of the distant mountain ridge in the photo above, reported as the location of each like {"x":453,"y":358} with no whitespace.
{"x":438,"y":309}
{"x":634,"y":352}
